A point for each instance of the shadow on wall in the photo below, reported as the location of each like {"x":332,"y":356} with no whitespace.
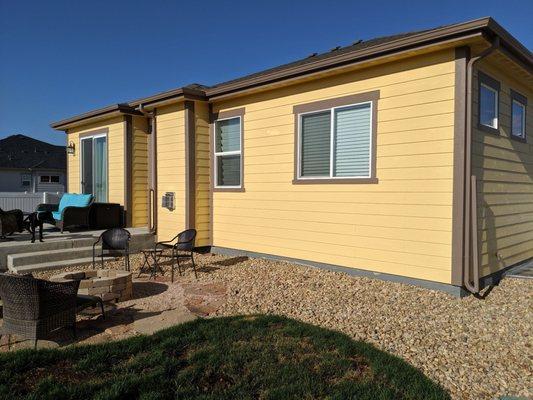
{"x":505,"y":209}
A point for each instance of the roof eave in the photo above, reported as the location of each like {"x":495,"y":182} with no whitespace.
{"x":115,"y":109}
{"x":436,"y":36}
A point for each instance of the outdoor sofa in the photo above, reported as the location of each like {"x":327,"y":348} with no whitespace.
{"x":72,"y":210}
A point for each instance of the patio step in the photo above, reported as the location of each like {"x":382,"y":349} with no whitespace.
{"x":61,"y":247}
{"x":48,"y":266}
{"x":38,"y":257}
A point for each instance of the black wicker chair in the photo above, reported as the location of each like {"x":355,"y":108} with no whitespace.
{"x":10,"y":222}
{"x":33,"y":308}
{"x":115,"y":242}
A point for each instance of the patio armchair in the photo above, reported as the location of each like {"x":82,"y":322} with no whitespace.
{"x":115,"y":241}
{"x":181,"y":246}
{"x":10,"y":222}
{"x":72,"y":210}
{"x":34,"y":308}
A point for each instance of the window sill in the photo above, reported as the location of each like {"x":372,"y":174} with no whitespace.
{"x":518,"y":138}
{"x":340,"y":181}
{"x":488,"y":129}
{"x":228,"y":189}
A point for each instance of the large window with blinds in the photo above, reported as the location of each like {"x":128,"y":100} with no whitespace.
{"x":336,"y":143}
{"x":228,"y":161}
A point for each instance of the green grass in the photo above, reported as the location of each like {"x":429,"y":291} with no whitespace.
{"x":254,"y":357}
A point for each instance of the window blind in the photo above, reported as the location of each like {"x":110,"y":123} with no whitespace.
{"x":352,"y":136}
{"x":315,"y":146}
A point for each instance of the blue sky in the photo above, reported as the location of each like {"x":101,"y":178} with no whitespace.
{"x":62,"y":58}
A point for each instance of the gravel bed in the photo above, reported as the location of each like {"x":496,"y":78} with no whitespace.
{"x":476,"y":349}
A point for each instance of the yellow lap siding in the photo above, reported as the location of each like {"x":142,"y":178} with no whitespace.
{"x":115,"y":162}
{"x":170,"y":122}
{"x":202,"y":178}
{"x":139,"y":172}
{"x":402,"y":225}
{"x":504,"y":168}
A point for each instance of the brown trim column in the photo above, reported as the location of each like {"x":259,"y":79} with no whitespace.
{"x":128,"y":166}
{"x":152,"y":173}
{"x":462,"y":55}
{"x":190,"y":165}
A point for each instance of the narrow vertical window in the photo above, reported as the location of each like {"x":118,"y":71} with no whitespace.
{"x":518,"y":115}
{"x":488,"y":115}
{"x":228,"y":161}
{"x":488,"y":97}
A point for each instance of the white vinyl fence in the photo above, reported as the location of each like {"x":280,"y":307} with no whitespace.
{"x":27,"y":202}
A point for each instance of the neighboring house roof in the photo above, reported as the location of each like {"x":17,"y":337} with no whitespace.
{"x":339,"y":56}
{"x":23,"y":152}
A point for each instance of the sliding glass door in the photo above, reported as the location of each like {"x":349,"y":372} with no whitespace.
{"x":94,"y":167}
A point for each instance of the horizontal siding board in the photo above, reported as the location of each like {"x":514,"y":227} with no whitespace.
{"x":504,"y":168}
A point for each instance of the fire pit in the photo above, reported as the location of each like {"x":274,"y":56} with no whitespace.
{"x":109,"y":284}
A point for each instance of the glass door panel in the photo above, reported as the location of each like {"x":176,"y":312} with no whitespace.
{"x":100,"y":169}
{"x":94,"y":167}
{"x":87,"y":165}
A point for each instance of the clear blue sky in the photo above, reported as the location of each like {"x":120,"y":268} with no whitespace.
{"x":62,"y":58}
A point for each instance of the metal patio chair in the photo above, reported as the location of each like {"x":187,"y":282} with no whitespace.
{"x":180,"y":246}
{"x":115,"y":242}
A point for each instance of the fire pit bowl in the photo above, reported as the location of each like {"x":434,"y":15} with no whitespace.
{"x":109,"y":284}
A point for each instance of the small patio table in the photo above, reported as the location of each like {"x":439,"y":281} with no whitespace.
{"x":151,"y":262}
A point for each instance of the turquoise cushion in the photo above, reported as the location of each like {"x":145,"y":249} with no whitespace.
{"x":72,"y":200}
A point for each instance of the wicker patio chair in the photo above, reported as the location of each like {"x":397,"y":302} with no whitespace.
{"x":33,"y":308}
{"x":115,"y":241}
{"x":10,"y":222}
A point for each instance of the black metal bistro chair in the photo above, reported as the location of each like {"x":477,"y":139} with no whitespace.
{"x":180,"y":246}
{"x":115,"y":242}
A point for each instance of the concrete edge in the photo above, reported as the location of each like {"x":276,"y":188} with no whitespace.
{"x":442,"y":287}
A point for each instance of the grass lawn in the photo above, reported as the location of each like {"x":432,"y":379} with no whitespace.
{"x":248,"y":357}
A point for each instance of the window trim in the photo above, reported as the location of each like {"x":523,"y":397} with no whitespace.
{"x":331,"y":105}
{"x":492,"y":84}
{"x":522,"y":100}
{"x":221,"y":116}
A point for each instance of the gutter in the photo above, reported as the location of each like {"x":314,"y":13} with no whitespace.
{"x":471,"y":278}
{"x":152,"y":164}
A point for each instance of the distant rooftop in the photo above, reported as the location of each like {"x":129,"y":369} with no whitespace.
{"x":23,"y":152}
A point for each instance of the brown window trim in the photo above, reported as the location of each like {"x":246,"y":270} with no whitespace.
{"x":515,"y":96}
{"x":215,"y":116}
{"x":373,"y":97}
{"x":494,"y":84}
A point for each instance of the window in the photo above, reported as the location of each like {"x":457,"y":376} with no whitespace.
{"x":336,"y":144}
{"x":25,"y":180}
{"x":518,"y":115}
{"x":49,"y":178}
{"x":228,"y":160}
{"x":488,"y":102}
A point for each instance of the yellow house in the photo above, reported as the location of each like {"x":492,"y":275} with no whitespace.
{"x":404,"y":157}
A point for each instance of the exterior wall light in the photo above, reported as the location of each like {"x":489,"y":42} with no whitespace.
{"x":71,"y":148}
